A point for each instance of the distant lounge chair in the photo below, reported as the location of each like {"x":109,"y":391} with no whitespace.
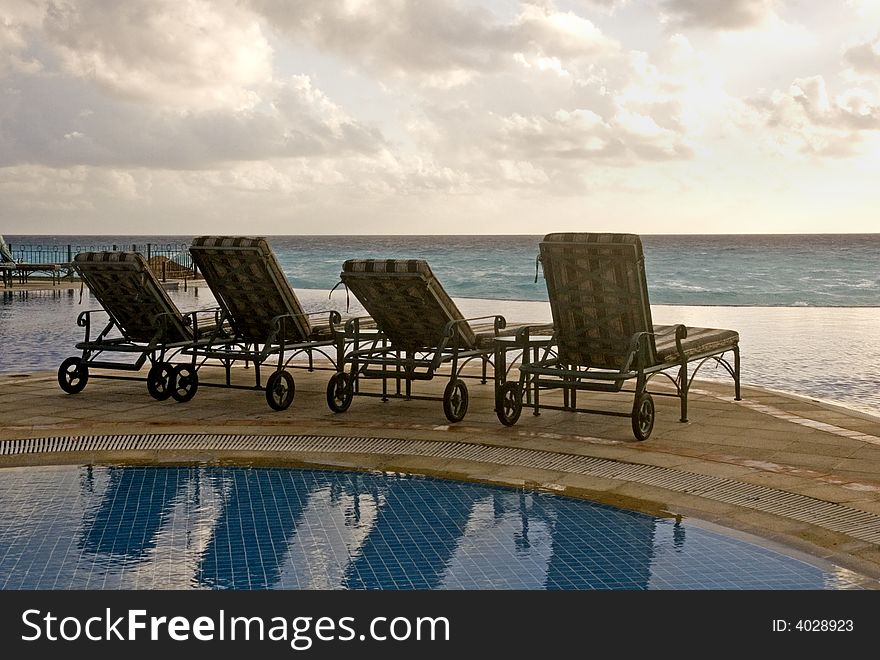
{"x":266,"y":319}
{"x":10,"y":267}
{"x":6,"y":255}
{"x":604,"y":335}
{"x":143,"y":323}
{"x":422,"y":332}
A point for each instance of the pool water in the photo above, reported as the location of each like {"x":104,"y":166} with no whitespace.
{"x":206,"y":527}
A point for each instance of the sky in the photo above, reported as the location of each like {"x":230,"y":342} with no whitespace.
{"x":439,"y":116}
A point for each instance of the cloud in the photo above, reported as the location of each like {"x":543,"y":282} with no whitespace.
{"x":718,"y":14}
{"x":864,"y":57}
{"x":824,"y":125}
{"x":17,"y":19}
{"x":582,"y":135}
{"x":196,"y":54}
{"x":441,"y":42}
{"x":294,"y":121}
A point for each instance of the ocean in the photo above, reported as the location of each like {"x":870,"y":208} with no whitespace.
{"x":830,"y":270}
{"x":807,"y":307}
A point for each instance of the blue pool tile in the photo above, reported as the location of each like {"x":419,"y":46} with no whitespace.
{"x":244,"y":528}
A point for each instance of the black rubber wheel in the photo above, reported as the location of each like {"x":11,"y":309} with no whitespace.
{"x":508,"y":403}
{"x":160,"y":380}
{"x":280,"y":390}
{"x":186,"y":383}
{"x":73,"y":375}
{"x":455,"y":400}
{"x":643,"y":417}
{"x":339,"y":392}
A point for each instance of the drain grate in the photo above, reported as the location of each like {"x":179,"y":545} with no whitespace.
{"x":861,"y":525}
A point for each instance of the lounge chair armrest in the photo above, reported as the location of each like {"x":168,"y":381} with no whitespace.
{"x":192,"y":318}
{"x":335,"y":318}
{"x":637,"y":350}
{"x":522,"y":334}
{"x":84,"y":317}
{"x":353,"y":325}
{"x":163,"y":322}
{"x":681,"y":332}
{"x":500,"y":323}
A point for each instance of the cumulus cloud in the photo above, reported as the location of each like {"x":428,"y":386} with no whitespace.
{"x":270,"y":109}
{"x":296,"y":120}
{"x":864,"y":57}
{"x":185,"y":53}
{"x":718,"y":14}
{"x":583,"y":135}
{"x":441,"y":42}
{"x":17,"y":19}
{"x":176,"y":84}
{"x":822,"y":124}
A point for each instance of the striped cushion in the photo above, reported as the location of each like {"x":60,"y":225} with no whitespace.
{"x":406,"y":300}
{"x":250,"y":286}
{"x":699,"y":341}
{"x":132,"y":296}
{"x":598,"y":295}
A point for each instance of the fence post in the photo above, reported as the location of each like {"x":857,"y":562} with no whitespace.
{"x":164,"y":264}
{"x":149,"y":249}
{"x":69,"y":262}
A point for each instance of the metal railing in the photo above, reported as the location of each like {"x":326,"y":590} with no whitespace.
{"x":166,"y":260}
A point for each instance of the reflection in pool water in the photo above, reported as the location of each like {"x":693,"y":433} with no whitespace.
{"x":242,"y":528}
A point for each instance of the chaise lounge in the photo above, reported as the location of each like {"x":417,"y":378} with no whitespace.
{"x":604,"y":336}
{"x":267,"y":322}
{"x":423,"y":335}
{"x":142,"y":323}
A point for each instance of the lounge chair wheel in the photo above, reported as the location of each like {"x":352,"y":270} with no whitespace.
{"x":643,"y":416}
{"x":73,"y":375}
{"x":508,"y":403}
{"x":160,"y":380}
{"x":455,"y":400}
{"x":186,"y":383}
{"x":339,"y":392}
{"x":280,"y":390}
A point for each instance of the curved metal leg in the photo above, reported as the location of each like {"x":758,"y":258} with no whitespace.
{"x":737,"y":396}
{"x":683,"y":387}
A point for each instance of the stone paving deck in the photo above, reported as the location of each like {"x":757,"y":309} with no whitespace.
{"x":769,"y":439}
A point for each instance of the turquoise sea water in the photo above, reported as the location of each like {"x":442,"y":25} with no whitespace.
{"x":776,"y":271}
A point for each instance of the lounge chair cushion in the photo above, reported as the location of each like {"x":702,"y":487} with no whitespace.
{"x":250,"y":286}
{"x":127,"y":289}
{"x":599,"y":299}
{"x":598,"y":295}
{"x":698,"y":341}
{"x":406,"y":300}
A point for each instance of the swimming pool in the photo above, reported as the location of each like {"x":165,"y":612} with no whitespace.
{"x":207,"y":527}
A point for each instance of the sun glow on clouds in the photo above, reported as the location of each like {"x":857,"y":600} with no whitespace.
{"x":732,"y":115}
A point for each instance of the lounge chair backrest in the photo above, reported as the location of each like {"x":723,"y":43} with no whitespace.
{"x":598,"y":296}
{"x":132,"y":296}
{"x":250,"y":286}
{"x":407,"y":302}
